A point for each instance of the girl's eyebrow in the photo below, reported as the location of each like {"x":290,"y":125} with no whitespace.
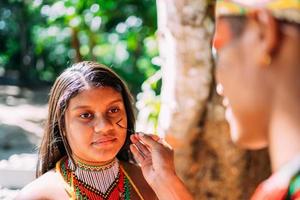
{"x":87,"y":106}
{"x":80,"y":107}
{"x":115,"y":101}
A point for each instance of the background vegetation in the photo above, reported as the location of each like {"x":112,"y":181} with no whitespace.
{"x":40,"y":38}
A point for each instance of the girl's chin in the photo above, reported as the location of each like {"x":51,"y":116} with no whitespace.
{"x":104,"y":156}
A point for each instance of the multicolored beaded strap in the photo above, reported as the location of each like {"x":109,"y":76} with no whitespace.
{"x":132,"y":183}
{"x":294,"y":188}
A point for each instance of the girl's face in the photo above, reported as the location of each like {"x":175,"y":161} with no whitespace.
{"x":92,"y":129}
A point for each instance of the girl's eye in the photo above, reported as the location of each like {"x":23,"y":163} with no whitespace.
{"x":114,"y":110}
{"x":86,"y":116}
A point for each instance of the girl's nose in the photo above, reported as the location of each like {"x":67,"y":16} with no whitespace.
{"x":102,"y":124}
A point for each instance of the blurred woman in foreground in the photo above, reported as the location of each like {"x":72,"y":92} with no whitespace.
{"x":258,"y":73}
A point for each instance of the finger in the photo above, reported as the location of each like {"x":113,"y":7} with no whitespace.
{"x":159,"y":140}
{"x":137,"y":155}
{"x":134,"y":139}
{"x":154,"y":140}
{"x":143,"y":149}
{"x":164,"y":143}
{"x":149,"y":141}
{"x":137,"y":139}
{"x":153,"y":136}
{"x":139,"y":144}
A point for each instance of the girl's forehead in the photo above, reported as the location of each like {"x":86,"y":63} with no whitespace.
{"x":96,"y":96}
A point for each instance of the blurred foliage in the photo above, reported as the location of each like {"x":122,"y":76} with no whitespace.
{"x":148,"y":103}
{"x":40,"y":38}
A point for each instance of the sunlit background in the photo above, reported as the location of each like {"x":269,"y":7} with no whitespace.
{"x":39,"y":39}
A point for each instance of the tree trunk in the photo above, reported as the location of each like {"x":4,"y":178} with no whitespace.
{"x":76,"y":45}
{"x":192,"y":117}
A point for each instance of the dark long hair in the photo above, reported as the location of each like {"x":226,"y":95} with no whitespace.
{"x":72,"y":81}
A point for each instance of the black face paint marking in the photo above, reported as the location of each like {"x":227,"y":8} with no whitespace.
{"x":121,"y":126}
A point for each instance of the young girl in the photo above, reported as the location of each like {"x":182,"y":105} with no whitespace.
{"x":85,"y":149}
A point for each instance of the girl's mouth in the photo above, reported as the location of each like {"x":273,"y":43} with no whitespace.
{"x":104,"y":141}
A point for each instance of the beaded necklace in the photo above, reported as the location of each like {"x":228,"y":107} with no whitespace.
{"x":109,"y":182}
{"x":99,"y":177}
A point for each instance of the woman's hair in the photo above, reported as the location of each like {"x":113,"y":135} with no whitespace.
{"x":237,"y":24}
{"x":72,"y":81}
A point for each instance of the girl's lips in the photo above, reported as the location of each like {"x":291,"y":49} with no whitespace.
{"x":104,"y":141}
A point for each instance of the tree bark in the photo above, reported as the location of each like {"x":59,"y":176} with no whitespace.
{"x":76,"y":45}
{"x":192,"y":118}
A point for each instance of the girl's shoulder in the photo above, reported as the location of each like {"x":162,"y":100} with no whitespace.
{"x":135,"y":174}
{"x":48,"y":186}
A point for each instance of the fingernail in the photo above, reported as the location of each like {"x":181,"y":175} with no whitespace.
{"x":141,"y":134}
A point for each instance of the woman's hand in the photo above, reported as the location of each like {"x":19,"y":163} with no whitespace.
{"x":156,"y":158}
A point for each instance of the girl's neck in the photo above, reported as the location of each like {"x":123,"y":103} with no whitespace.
{"x":92,"y":163}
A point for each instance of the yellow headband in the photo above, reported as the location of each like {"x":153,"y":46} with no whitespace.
{"x":288,"y":10}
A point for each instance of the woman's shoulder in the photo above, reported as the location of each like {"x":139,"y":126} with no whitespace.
{"x":135,"y":174}
{"x":48,"y":186}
